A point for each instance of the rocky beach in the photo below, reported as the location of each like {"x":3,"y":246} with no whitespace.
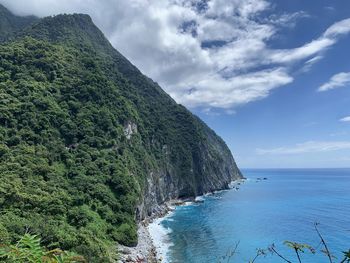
{"x":152,"y":242}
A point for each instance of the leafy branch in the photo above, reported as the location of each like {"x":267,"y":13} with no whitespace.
{"x":299,"y":248}
{"x":326,"y":250}
{"x":346,"y":258}
{"x":29,"y":249}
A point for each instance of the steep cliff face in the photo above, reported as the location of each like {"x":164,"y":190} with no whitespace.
{"x":102,"y":143}
{"x":212,"y":168}
{"x":210,"y":165}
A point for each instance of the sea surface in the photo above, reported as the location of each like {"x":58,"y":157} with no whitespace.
{"x":261,"y":213}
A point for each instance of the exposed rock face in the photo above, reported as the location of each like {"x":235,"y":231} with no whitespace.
{"x":213,"y":168}
{"x":129,"y":129}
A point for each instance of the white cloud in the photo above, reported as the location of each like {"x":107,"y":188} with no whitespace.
{"x":309,"y":63}
{"x":217,"y":56}
{"x":340,"y":28}
{"x":345,"y":119}
{"x":338,"y":80}
{"x":287,"y":20}
{"x":233,"y":91}
{"x":300,"y":53}
{"x":226,"y":8}
{"x":308,"y":147}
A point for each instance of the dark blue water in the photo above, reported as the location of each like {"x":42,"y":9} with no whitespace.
{"x":284,"y":207}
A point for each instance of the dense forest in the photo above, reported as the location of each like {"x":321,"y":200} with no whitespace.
{"x":81,"y":129}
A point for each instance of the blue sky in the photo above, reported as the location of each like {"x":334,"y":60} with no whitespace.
{"x":297,"y":114}
{"x":272,"y":77}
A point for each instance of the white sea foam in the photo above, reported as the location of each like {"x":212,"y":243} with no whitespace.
{"x":219,"y":192}
{"x":172,"y":207}
{"x":160,"y":237}
{"x":199,"y":198}
{"x":160,"y":234}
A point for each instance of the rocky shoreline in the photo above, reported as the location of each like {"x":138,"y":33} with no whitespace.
{"x":146,"y":251}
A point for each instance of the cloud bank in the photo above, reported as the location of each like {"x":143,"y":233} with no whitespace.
{"x":206,"y":54}
{"x":308,"y":147}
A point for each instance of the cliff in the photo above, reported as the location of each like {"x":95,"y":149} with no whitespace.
{"x":89,"y":145}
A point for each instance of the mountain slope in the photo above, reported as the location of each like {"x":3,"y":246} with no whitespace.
{"x":89,"y":144}
{"x":9,"y":23}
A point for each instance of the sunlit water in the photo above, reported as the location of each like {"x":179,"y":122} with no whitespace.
{"x":283,"y":207}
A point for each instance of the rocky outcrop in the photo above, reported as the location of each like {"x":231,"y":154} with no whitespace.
{"x":130,"y":128}
{"x":143,"y":252}
{"x":212,"y":168}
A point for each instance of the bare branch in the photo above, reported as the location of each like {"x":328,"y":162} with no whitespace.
{"x":259,"y":252}
{"x":329,"y":255}
{"x":233,"y":252}
{"x":273,"y":250}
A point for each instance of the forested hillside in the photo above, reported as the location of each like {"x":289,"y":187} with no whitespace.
{"x":9,"y":24}
{"x":89,"y":145}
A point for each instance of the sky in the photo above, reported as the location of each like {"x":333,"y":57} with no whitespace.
{"x":271,"y":77}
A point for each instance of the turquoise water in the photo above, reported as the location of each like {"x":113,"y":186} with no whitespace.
{"x":284,"y":207}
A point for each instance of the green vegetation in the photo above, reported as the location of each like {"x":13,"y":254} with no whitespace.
{"x":10,"y":23}
{"x":29,"y":249}
{"x":64,"y":159}
{"x":68,"y":171}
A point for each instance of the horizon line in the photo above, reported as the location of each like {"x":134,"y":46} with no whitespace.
{"x":262,"y":168}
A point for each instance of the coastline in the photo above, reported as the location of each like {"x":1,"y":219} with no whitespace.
{"x":152,"y":244}
{"x":150,"y":248}
{"x":159,"y":238}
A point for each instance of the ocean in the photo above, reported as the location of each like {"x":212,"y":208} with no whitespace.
{"x":262,"y":212}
